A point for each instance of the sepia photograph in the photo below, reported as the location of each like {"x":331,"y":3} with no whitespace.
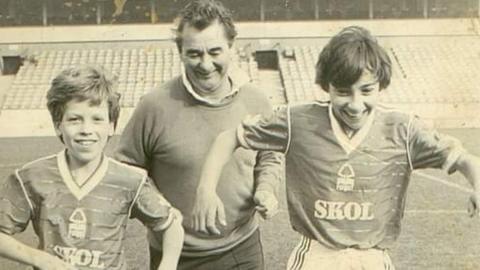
{"x":239,"y":134}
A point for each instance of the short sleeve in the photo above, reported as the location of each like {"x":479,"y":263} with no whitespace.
{"x":430,"y":149}
{"x":151,"y":208}
{"x":15,"y":211}
{"x":266,"y":132}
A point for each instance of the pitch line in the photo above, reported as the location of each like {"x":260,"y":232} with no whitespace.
{"x":440,"y":211}
{"x":445,"y":182}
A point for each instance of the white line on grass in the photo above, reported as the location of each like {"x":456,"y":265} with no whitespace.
{"x":445,"y":182}
{"x":440,"y":211}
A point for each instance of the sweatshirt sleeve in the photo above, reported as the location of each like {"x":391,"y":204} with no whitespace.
{"x":137,"y":142}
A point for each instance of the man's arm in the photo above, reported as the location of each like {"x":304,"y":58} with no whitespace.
{"x":208,"y":206}
{"x":469,"y":166}
{"x":15,"y":250}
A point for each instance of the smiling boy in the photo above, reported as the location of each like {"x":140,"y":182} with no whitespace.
{"x":348,"y":161}
{"x":79,"y":200}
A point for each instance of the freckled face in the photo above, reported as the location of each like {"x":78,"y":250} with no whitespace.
{"x":352,"y":106}
{"x":85,"y":130}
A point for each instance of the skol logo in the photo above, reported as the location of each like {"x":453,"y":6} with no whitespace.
{"x":80,"y":257}
{"x":77,"y":228}
{"x":345,"y":180}
{"x":343,"y":210}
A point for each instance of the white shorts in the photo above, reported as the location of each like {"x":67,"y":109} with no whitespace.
{"x":311,"y":255}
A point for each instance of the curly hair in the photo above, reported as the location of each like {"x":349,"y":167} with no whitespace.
{"x":201,"y":14}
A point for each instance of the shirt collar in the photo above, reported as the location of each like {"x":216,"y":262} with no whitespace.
{"x":237,"y":78}
{"x":80,"y":191}
{"x":349,"y":144}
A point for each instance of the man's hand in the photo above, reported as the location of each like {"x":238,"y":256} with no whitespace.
{"x":473,"y":205}
{"x":267,"y":203}
{"x":206,"y":210}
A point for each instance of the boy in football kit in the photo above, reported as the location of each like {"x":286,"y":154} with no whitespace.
{"x":348,"y":161}
{"x":79,"y":200}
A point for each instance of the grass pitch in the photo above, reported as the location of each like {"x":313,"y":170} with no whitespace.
{"x":436,"y":233}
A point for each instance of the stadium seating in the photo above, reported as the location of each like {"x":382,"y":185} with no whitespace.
{"x":138,"y":70}
{"x":297,"y":69}
{"x":425,"y":70}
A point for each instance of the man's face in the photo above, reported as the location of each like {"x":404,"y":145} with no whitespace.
{"x":352,"y":106}
{"x":206,"y":56}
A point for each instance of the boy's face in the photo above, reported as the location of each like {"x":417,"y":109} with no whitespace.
{"x":352,"y":106}
{"x":85,"y":130}
{"x":206,"y":57}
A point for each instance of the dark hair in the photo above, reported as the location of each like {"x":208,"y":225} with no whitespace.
{"x":347,"y":55}
{"x":91,"y":83}
{"x":201,"y":14}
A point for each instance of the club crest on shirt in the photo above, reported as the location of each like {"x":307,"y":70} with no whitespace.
{"x":77,"y":226}
{"x":345,"y":179}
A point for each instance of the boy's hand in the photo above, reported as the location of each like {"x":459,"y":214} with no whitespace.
{"x":206,"y":210}
{"x":50,"y":262}
{"x":473,"y":205}
{"x":267,"y":203}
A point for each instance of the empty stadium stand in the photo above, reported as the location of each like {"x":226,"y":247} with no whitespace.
{"x":434,"y":67}
{"x":439,"y":70}
{"x":426,"y":70}
{"x":138,"y":70}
